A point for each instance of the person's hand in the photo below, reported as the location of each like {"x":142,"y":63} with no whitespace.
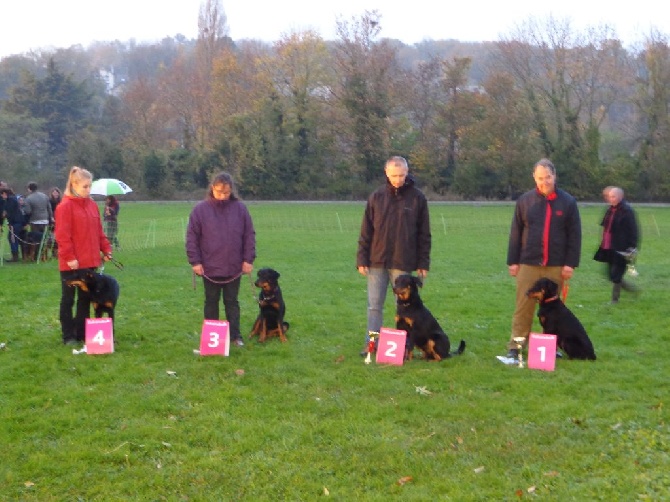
{"x":422,"y":272}
{"x":363,"y":270}
{"x":73,"y":264}
{"x":247,"y":268}
{"x":107,"y":256}
{"x":513,"y":270}
{"x":566,"y":272}
{"x":197,"y":269}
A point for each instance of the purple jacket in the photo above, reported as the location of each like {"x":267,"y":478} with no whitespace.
{"x":220,"y":236}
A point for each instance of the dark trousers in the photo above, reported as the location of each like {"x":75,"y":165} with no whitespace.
{"x":229,"y":289}
{"x":15,"y":231}
{"x":616,"y":267}
{"x":73,"y":328}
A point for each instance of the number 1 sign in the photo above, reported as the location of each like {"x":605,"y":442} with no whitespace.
{"x":99,"y":336}
{"x":215,"y":338}
{"x":391,"y":347}
{"x":542,"y":352}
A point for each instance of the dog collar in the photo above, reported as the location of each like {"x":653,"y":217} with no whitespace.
{"x":547,"y":300}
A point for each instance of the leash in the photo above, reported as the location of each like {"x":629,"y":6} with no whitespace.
{"x":114,"y":261}
{"x":566,"y":288}
{"x":228,"y":281}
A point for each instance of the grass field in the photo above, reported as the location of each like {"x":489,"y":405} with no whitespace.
{"x":307,"y":419}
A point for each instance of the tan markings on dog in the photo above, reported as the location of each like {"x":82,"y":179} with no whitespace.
{"x":78,"y":283}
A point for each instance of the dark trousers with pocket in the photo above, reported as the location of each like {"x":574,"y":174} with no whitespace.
{"x":229,"y":289}
{"x":73,"y":328}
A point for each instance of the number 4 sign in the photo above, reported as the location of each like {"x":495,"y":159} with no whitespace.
{"x":215,"y":338}
{"x":542,"y":352}
{"x":99,"y":336}
{"x":391,"y":346}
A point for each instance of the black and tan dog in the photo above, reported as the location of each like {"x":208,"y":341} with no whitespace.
{"x":270,"y":321}
{"x":423,"y":330}
{"x":104,"y":291}
{"x":557,"y":319}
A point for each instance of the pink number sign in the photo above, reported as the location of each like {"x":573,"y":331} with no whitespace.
{"x":391,"y":347}
{"x":215,"y":338}
{"x":542,"y":352}
{"x":99,"y":336}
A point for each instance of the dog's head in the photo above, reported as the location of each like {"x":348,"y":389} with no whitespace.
{"x":543,"y":288}
{"x":267,"y":279}
{"x":91,"y":282}
{"x":406,"y":286}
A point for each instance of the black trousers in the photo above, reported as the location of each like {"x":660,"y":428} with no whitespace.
{"x":74,"y":327}
{"x":229,"y":289}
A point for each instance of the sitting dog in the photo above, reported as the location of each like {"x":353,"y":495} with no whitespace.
{"x":557,"y":319}
{"x":270,"y":321}
{"x":422,"y":328}
{"x":104,"y":291}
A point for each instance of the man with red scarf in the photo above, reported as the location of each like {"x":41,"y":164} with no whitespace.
{"x":545,"y":241}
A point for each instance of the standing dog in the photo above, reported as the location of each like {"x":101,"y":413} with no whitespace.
{"x":104,"y":291}
{"x":422,"y":328}
{"x":557,"y":319}
{"x":270,"y":321}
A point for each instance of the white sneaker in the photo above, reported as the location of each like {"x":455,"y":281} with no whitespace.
{"x":238,"y":342}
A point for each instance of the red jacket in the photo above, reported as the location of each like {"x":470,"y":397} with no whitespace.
{"x":79,"y":233}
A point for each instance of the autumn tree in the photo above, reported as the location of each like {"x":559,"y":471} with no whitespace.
{"x":570,"y":81}
{"x":366,"y":70}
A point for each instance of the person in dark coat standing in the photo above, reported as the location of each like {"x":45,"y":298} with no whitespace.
{"x":620,"y":238}
{"x":545,"y":241}
{"x":395,"y":238}
{"x":221,"y":247}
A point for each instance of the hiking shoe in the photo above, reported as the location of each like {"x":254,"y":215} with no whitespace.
{"x":238,"y":342}
{"x":513,"y":354}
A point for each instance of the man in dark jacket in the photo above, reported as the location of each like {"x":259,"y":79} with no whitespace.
{"x":395,"y":237}
{"x":15,"y":220}
{"x":620,"y":239}
{"x":545,"y":241}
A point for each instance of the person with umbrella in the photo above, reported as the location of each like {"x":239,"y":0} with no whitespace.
{"x":110,"y":220}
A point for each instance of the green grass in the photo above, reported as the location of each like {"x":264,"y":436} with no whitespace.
{"x":308,"y":419}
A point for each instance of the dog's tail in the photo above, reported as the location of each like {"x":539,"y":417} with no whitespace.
{"x":459,"y":350}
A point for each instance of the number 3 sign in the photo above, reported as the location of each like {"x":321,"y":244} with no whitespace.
{"x":99,"y":336}
{"x":215,"y":338}
{"x":391,"y":347}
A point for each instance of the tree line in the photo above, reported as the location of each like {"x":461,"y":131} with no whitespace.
{"x":306,"y":118}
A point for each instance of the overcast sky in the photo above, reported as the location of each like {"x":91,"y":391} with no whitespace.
{"x":35,"y":24}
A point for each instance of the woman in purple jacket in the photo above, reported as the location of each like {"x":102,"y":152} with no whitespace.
{"x":221,"y":246}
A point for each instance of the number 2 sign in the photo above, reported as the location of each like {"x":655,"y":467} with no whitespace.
{"x":391,"y":347}
{"x":215,"y":338}
{"x":99,"y":336}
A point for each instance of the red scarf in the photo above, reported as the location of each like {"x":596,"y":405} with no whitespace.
{"x":547,"y":227}
{"x":607,"y":232}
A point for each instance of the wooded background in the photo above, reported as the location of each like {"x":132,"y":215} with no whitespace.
{"x":308,"y":118}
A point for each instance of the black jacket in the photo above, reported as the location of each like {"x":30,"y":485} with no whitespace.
{"x":559,"y":245}
{"x":624,"y":229}
{"x":395,"y":232}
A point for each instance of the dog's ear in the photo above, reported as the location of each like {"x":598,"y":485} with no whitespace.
{"x":417,"y":280}
{"x":275,"y":275}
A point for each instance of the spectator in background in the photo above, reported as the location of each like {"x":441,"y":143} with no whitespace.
{"x":2,"y":206}
{"x":37,"y":209}
{"x":110,"y":220}
{"x":221,"y":246}
{"x":55,"y":198}
{"x":620,"y":238}
{"x":81,"y":242}
{"x":395,"y":238}
{"x":545,"y":241}
{"x":15,"y":221}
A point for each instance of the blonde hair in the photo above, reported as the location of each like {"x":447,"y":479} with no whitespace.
{"x":76,"y":174}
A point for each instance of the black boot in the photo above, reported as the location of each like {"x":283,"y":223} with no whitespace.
{"x":15,"y":257}
{"x":616,"y":293}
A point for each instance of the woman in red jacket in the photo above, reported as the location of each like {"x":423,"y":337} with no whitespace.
{"x":81,"y":242}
